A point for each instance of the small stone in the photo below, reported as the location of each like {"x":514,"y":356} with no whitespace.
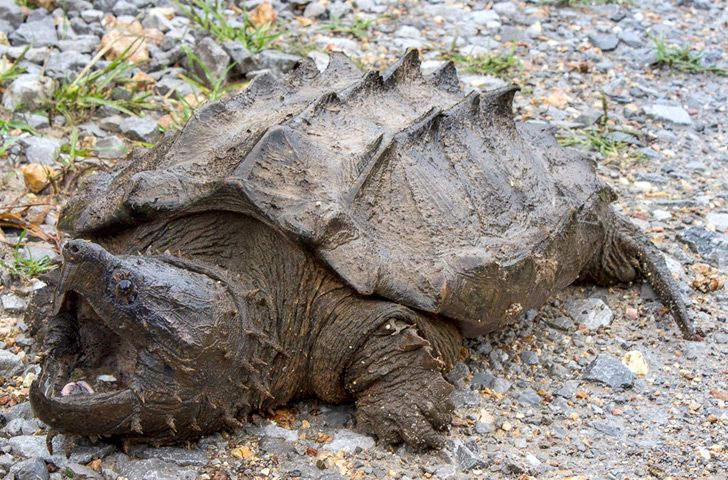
{"x":37,"y":176}
{"x":276,"y":61}
{"x":124,"y":8}
{"x":349,"y":442}
{"x":718,"y":220}
{"x":214,"y":60}
{"x":11,"y":12}
{"x":10,"y":364}
{"x":483,"y":17}
{"x":12,"y":303}
{"x":568,"y":389}
{"x":140,"y":129}
{"x":66,"y":65}
{"x":38,"y":33}
{"x":712,"y":246}
{"x":593,"y":313}
{"x":609,"y":371}
{"x":562,"y":323}
{"x":463,"y":455}
{"x":529,"y":357}
{"x":152,"y":468}
{"x":669,"y":113}
{"x":636,"y":362}
{"x":529,"y":397}
{"x":81,"y":44}
{"x":28,"y":91}
{"x":500,"y":385}
{"x":482,"y":380}
{"x":604,"y":42}
{"x":242,"y":58}
{"x":111,"y":147}
{"x":274,"y":431}
{"x":30,"y":469}
{"x":314,"y":10}
{"x":607,"y":429}
{"x":179,"y":456}
{"x":631,"y":38}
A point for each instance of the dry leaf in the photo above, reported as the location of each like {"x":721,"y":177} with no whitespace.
{"x":263,"y":14}
{"x":125,"y":39}
{"x":242,"y":453}
{"x":708,"y":279}
{"x":285,"y":417}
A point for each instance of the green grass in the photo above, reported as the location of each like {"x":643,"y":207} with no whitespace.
{"x":6,"y":126}
{"x":359,"y":28}
{"x":503,"y":65}
{"x":27,"y":266}
{"x":210,"y":16}
{"x":92,"y":89}
{"x":593,"y":139}
{"x":73,"y":151}
{"x":683,"y":59}
{"x":10,"y":71}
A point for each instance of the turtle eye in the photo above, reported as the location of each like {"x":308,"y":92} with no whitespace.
{"x":122,"y":287}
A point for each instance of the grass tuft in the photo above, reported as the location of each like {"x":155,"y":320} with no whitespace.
{"x":9,"y":71}
{"x":210,"y":16}
{"x":27,"y":266}
{"x":359,"y":28}
{"x":503,"y":65}
{"x":683,"y":59}
{"x":93,"y":89}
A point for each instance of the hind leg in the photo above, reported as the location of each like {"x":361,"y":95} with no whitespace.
{"x":627,"y":255}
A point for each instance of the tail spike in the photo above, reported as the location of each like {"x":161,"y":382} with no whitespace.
{"x":406,"y":68}
{"x":446,"y":78}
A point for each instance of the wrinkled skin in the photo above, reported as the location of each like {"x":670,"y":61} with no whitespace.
{"x":291,"y":243}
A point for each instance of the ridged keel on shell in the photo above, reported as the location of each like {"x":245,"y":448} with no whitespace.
{"x":405,"y":187}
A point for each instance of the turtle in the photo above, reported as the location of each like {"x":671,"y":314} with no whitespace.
{"x":327,"y":234}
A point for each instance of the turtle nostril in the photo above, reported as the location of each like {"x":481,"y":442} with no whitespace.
{"x":73,"y":248}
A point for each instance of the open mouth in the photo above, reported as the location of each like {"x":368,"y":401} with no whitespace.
{"x":85,"y":357}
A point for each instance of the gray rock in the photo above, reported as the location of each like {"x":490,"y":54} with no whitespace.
{"x":501,"y":385}
{"x":12,"y":303}
{"x":274,"y":431}
{"x":609,"y":371}
{"x":335,"y":416}
{"x":76,"y":471}
{"x":593,"y":313}
{"x":215,"y":60}
{"x":36,"y":120}
{"x":182,"y":457}
{"x":242,"y":58}
{"x":10,"y":364}
{"x":712,"y":246}
{"x":151,"y":469}
{"x":28,"y":91}
{"x":21,"y":426}
{"x":276,"y":61}
{"x":141,"y":129}
{"x":484,"y":17}
{"x":446,"y":472}
{"x":11,"y":12}
{"x":81,"y":44}
{"x":507,"y":9}
{"x":482,"y":380}
{"x":607,"y":429}
{"x":43,"y":150}
{"x":529,"y":397}
{"x":669,"y":113}
{"x":463,"y":455}
{"x":604,"y":42}
{"x":92,"y":15}
{"x":529,"y":357}
{"x":568,"y":389}
{"x":718,"y":220}
{"x":564,"y":324}
{"x":631,"y":38}
{"x":66,"y":65}
{"x":30,"y":469}
{"x":111,"y":147}
{"x":349,"y":442}
{"x":314,"y":10}
{"x":38,"y":33}
{"x":338,"y":9}
{"x":124,"y":8}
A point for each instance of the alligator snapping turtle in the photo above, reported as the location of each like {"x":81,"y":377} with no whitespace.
{"x":329,"y":235}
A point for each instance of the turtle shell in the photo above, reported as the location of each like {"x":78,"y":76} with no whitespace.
{"x":406,"y":187}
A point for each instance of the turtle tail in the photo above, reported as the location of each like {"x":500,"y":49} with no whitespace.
{"x":626,"y":255}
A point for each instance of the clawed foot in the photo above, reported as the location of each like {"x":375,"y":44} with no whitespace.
{"x":412,"y":413}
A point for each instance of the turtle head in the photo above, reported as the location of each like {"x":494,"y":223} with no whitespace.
{"x":138,"y":347}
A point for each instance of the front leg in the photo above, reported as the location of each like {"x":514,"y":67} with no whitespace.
{"x":396,"y":378}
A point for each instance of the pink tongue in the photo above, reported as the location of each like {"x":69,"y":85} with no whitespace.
{"x":77,"y":388}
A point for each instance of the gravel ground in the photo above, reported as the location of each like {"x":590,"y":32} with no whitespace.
{"x":598,"y":384}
